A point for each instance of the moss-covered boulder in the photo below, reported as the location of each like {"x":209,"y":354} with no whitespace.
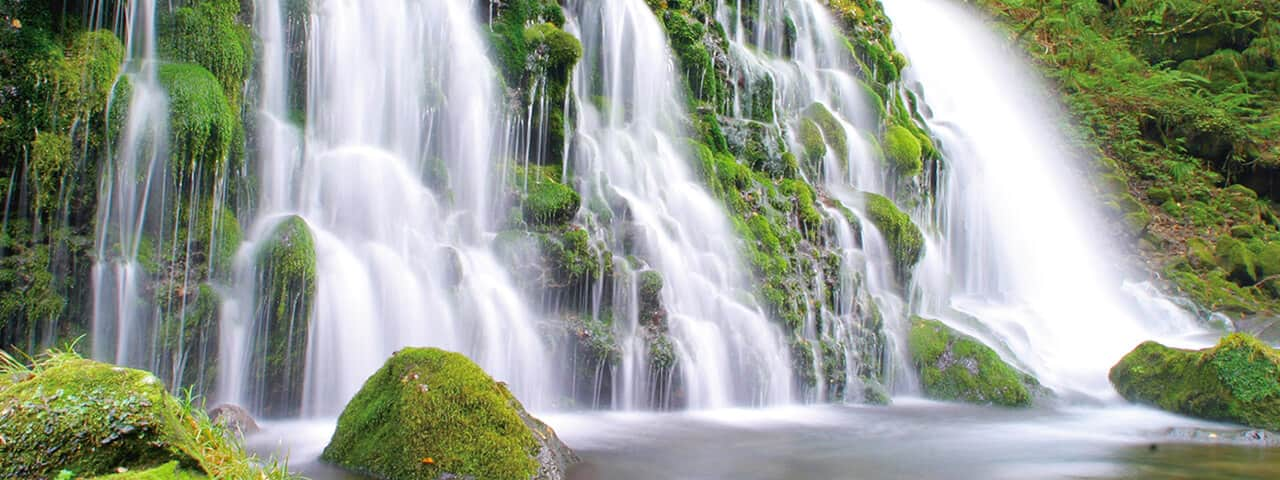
{"x":428,"y":413}
{"x":901,"y":235}
{"x":1237,"y":380}
{"x":85,"y":418}
{"x":956,"y":367}
{"x":282,"y":318}
{"x":94,"y":416}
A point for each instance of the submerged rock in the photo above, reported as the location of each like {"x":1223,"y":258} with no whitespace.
{"x":428,"y":413}
{"x":1237,"y":380}
{"x":955,"y":366}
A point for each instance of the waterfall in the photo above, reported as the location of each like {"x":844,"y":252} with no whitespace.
{"x":384,"y":144}
{"x":1017,"y":248}
{"x":390,"y":90}
{"x":792,"y":59}
{"x":132,"y":197}
{"x":630,"y":157}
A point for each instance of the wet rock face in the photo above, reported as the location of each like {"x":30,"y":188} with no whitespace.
{"x":1237,"y":380}
{"x":434,"y":414}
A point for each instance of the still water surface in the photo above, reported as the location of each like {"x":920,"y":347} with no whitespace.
{"x":911,"y":440}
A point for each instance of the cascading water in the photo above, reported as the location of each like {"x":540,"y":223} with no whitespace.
{"x":116,"y":269}
{"x":791,"y":58}
{"x":629,"y":157}
{"x":392,"y":91}
{"x":1017,"y":249}
{"x":135,"y":189}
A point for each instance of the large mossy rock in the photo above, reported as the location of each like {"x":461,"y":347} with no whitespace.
{"x":86,"y":417}
{"x":67,"y":417}
{"x":956,"y":367}
{"x":282,"y":320}
{"x":1236,"y":381}
{"x":434,"y":414}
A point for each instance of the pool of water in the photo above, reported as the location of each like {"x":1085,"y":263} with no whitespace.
{"x":912,"y":439}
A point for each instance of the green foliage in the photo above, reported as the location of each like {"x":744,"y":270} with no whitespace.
{"x":903,"y":151}
{"x":202,"y":124}
{"x":1238,"y":380}
{"x":28,"y":293}
{"x":546,"y":201}
{"x":428,"y":412}
{"x":649,"y":287}
{"x":954,"y":366}
{"x":99,"y":417}
{"x":902,"y":236}
{"x":562,"y":50}
{"x":50,"y":164}
{"x":207,"y":33}
{"x":1183,"y":91}
{"x":572,"y":256}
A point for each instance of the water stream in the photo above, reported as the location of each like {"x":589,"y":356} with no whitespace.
{"x":632,"y":159}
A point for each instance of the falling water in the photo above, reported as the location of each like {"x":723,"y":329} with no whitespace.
{"x":631,"y":158}
{"x":792,"y":54}
{"x":126,"y":194}
{"x":1017,"y":250}
{"x":390,"y":90}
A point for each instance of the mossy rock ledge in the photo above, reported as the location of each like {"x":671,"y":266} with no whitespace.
{"x":1238,"y":380}
{"x":432,"y":414}
{"x":956,"y":367}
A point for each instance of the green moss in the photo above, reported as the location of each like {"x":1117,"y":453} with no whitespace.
{"x":805,"y":209}
{"x":168,"y":471}
{"x":902,"y":236}
{"x":427,"y":413}
{"x":201,"y":123}
{"x":1236,"y":258}
{"x":815,"y":148}
{"x":689,"y":39}
{"x":903,"y":151}
{"x":549,"y":202}
{"x":50,"y":164}
{"x":207,"y":33}
{"x":1238,"y":380}
{"x":99,"y":417}
{"x":222,"y":233}
{"x":649,"y":287}
{"x":574,"y":259}
{"x":282,"y":318}
{"x":832,"y":130}
{"x":90,"y":68}
{"x":95,"y":416}
{"x":954,"y":366}
{"x":562,"y":50}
